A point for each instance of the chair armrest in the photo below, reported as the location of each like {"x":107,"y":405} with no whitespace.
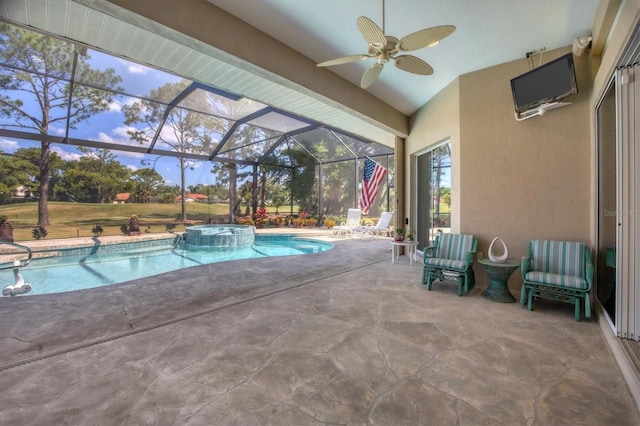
{"x":468,"y":258}
{"x":428,"y":251}
{"x":589,"y":268}
{"x":524,"y":266}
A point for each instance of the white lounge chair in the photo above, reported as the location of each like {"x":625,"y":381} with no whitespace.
{"x":380,"y":228}
{"x":353,"y":221}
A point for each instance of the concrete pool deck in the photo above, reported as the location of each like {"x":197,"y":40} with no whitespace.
{"x":338,"y":337}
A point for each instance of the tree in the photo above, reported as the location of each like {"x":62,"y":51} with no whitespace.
{"x":441,"y":158}
{"x":168,"y":194}
{"x":278,"y":195}
{"x":245,"y":143}
{"x":19,"y":169}
{"x":40,"y":67}
{"x":181,"y":129}
{"x":146,"y":182}
{"x":96,"y":177}
{"x":303,"y":180}
{"x":14,"y":172}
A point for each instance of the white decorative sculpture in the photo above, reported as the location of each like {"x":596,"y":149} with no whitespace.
{"x":498,"y":259}
{"x":20,"y":286}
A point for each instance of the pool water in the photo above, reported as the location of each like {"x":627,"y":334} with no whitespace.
{"x":69,"y":273}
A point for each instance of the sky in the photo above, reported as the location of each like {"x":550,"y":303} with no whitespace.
{"x":109,"y":126}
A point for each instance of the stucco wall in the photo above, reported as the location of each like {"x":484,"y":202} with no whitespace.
{"x":517,"y":180}
{"x":528,"y":179}
{"x":436,"y":122}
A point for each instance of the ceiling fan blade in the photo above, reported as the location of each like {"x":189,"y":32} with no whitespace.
{"x":371,"y":32}
{"x":413,"y":65}
{"x":370,"y":75}
{"x":343,"y":60}
{"x":423,"y":38}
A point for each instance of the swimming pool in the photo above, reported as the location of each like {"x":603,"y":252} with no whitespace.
{"x":69,"y":273}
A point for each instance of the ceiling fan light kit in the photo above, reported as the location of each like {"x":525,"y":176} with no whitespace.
{"x":386,"y":48}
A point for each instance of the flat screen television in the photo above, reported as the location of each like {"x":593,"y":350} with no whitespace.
{"x":548,"y":83}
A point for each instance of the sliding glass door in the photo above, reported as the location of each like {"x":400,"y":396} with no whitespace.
{"x":433,"y":192}
{"x":618,"y":197}
{"x":607,"y":196}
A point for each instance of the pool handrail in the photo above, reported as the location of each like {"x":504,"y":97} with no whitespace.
{"x":19,"y":246}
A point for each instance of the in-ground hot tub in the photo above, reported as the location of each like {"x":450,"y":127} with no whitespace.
{"x":203,"y":236}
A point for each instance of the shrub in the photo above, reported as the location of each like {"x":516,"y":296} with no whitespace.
{"x":245,"y":221}
{"x":124,"y":229}
{"x":97,"y":230}
{"x":39,"y":232}
{"x":329,"y":223}
{"x":170,"y":227}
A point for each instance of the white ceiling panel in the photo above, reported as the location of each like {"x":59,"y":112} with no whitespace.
{"x":488,"y":32}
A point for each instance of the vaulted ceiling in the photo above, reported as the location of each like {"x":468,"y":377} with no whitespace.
{"x":267,"y":50}
{"x":488,"y":32}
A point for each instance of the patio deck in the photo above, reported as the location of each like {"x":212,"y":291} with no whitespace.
{"x":338,"y":337}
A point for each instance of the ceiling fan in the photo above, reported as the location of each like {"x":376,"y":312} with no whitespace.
{"x":386,"y":48}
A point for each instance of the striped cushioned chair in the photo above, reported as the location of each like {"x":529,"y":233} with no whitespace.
{"x":451,"y":258}
{"x":558,"y":270}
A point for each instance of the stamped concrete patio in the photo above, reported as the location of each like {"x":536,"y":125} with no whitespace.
{"x":341,"y":337}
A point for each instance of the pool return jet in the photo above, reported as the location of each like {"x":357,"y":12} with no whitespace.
{"x":19,"y":286}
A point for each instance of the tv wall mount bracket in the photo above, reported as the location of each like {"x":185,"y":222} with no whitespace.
{"x":540,"y":110}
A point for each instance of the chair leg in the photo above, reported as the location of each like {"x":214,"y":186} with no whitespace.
{"x":461,"y":283}
{"x":430,"y":279}
{"x":587,"y":306}
{"x":523,"y":294}
{"x":530,"y":300}
{"x":577,"y":303}
{"x":469,"y":280}
{"x":426,"y":276}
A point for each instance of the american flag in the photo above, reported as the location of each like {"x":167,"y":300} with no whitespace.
{"x":371,"y":179}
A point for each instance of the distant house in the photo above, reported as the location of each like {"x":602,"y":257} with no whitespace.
{"x":21,"y":192}
{"x":190,"y":198}
{"x":122,"y":198}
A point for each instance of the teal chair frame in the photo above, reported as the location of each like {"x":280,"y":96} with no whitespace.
{"x":450,"y":258}
{"x":558,"y":270}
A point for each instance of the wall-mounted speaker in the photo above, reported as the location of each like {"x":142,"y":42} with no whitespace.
{"x":581,"y":44}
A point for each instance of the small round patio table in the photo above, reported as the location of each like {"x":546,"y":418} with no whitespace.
{"x":499,"y":274}
{"x":411,"y":250}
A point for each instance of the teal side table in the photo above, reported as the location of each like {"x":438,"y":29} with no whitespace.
{"x":499,"y":274}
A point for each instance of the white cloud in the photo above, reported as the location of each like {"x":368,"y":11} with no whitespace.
{"x":123,"y":133}
{"x":132,"y":167}
{"x":194,"y":164}
{"x":134,"y":68}
{"x":67,"y":156}
{"x":56,"y":130}
{"x":103,"y":137}
{"x":137,"y":69}
{"x":115,"y":106}
{"x":120,"y":137}
{"x":8,"y":144}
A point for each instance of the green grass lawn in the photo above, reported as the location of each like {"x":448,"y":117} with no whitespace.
{"x":69,"y":220}
{"x":77,"y":219}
